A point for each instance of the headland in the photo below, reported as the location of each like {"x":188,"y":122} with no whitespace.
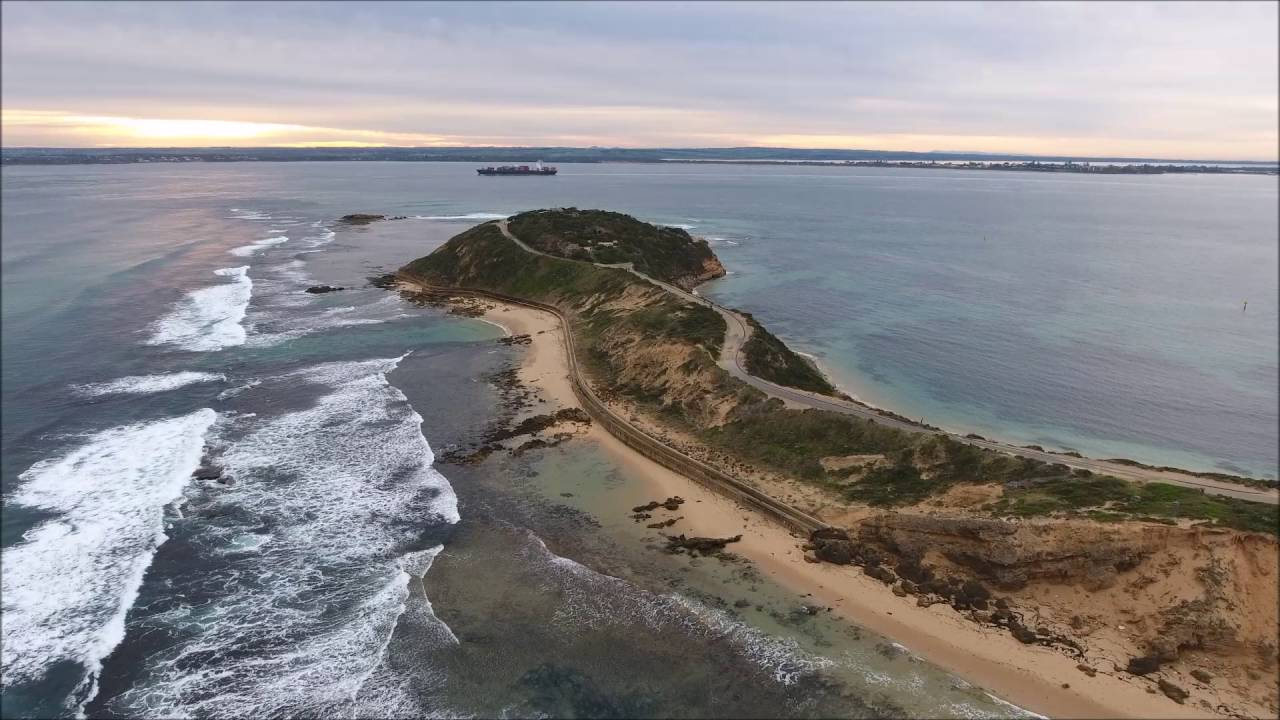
{"x":1067,"y":592}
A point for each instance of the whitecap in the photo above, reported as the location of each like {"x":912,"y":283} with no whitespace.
{"x":247,"y":250}
{"x":69,"y":584}
{"x":146,"y":384}
{"x":208,"y":318}
{"x":680,"y":226}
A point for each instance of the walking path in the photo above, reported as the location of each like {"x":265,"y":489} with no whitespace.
{"x":739,"y":331}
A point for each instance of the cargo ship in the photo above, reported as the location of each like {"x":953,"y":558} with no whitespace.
{"x":538,"y":169}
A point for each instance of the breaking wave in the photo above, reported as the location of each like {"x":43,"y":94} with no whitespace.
{"x":146,"y":384}
{"x":247,"y":250}
{"x":208,"y":318}
{"x":69,"y":584}
{"x":297,"y":622}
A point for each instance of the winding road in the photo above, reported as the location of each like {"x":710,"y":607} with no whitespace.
{"x":739,"y":331}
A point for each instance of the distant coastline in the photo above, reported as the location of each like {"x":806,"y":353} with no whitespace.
{"x":1102,"y":165}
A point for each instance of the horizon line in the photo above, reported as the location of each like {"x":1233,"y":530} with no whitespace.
{"x":976,"y":154}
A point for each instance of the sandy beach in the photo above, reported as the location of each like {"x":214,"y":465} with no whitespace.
{"x":1041,"y":680}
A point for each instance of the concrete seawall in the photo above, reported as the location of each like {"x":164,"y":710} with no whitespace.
{"x":637,"y":439}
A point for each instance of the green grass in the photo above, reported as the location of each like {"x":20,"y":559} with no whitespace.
{"x":768,"y":357}
{"x":665,"y":253}
{"x":1108,"y":498}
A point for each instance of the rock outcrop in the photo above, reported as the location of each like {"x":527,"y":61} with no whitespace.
{"x":1010,"y":554}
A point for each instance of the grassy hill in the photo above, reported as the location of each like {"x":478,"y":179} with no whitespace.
{"x":666,"y":253}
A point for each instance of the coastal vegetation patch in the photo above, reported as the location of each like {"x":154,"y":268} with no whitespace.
{"x":667,"y":253}
{"x":768,"y":357}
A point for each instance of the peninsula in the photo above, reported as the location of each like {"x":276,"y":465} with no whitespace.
{"x":1066,"y":585}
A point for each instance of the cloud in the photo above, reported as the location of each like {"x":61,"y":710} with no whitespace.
{"x":1180,"y":78}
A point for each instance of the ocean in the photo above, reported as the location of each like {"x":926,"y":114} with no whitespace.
{"x":154,"y":320}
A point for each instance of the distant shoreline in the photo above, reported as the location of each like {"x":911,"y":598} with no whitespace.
{"x":726,"y":156}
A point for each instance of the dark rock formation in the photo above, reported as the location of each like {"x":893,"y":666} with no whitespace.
{"x":695,"y":545}
{"x":1004,"y":553}
{"x":317,"y":289}
{"x":1173,"y":692}
{"x":1143,"y":665}
{"x":207,"y":472}
{"x":832,"y":545}
{"x":361,"y":218}
{"x":1202,"y":675}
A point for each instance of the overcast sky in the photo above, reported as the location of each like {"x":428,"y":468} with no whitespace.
{"x":1180,"y":80}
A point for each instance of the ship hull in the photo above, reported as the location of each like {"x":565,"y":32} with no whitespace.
{"x":483,"y":171}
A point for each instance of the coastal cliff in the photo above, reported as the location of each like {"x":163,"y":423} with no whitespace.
{"x":1082,"y":553}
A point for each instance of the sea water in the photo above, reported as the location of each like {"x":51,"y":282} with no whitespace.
{"x":155,"y":319}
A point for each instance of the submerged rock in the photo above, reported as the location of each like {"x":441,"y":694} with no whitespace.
{"x":317,"y":289}
{"x":704,"y":545}
{"x":361,"y":218}
{"x":207,"y":472}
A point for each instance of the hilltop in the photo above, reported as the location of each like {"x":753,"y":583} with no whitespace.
{"x":667,"y":253}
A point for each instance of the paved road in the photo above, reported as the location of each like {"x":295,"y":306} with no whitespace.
{"x":739,"y":331}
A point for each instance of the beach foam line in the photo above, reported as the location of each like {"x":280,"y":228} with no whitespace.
{"x":69,"y":584}
{"x":147,"y":384}
{"x":247,"y":250}
{"x":208,"y":318}
{"x":596,"y":600}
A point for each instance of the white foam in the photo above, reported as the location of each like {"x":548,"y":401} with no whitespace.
{"x":594,"y":600}
{"x":240,"y":214}
{"x":247,"y":250}
{"x":468,"y":216}
{"x":232,"y":392}
{"x":69,"y":584}
{"x":346,"y":484}
{"x":300,"y":322}
{"x":146,"y":384}
{"x":325,"y":237}
{"x":208,"y":318}
{"x":681,"y":226}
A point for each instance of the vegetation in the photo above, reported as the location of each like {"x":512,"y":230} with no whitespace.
{"x":666,"y":253}
{"x":1108,"y":498}
{"x":1223,"y":477}
{"x":628,"y":331}
{"x":592,"y":296}
{"x":768,"y":357}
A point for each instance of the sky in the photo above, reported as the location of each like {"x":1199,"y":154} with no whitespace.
{"x":1161,"y":80}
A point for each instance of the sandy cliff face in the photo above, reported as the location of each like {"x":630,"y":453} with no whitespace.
{"x":711,"y":269}
{"x":1187,"y":598}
